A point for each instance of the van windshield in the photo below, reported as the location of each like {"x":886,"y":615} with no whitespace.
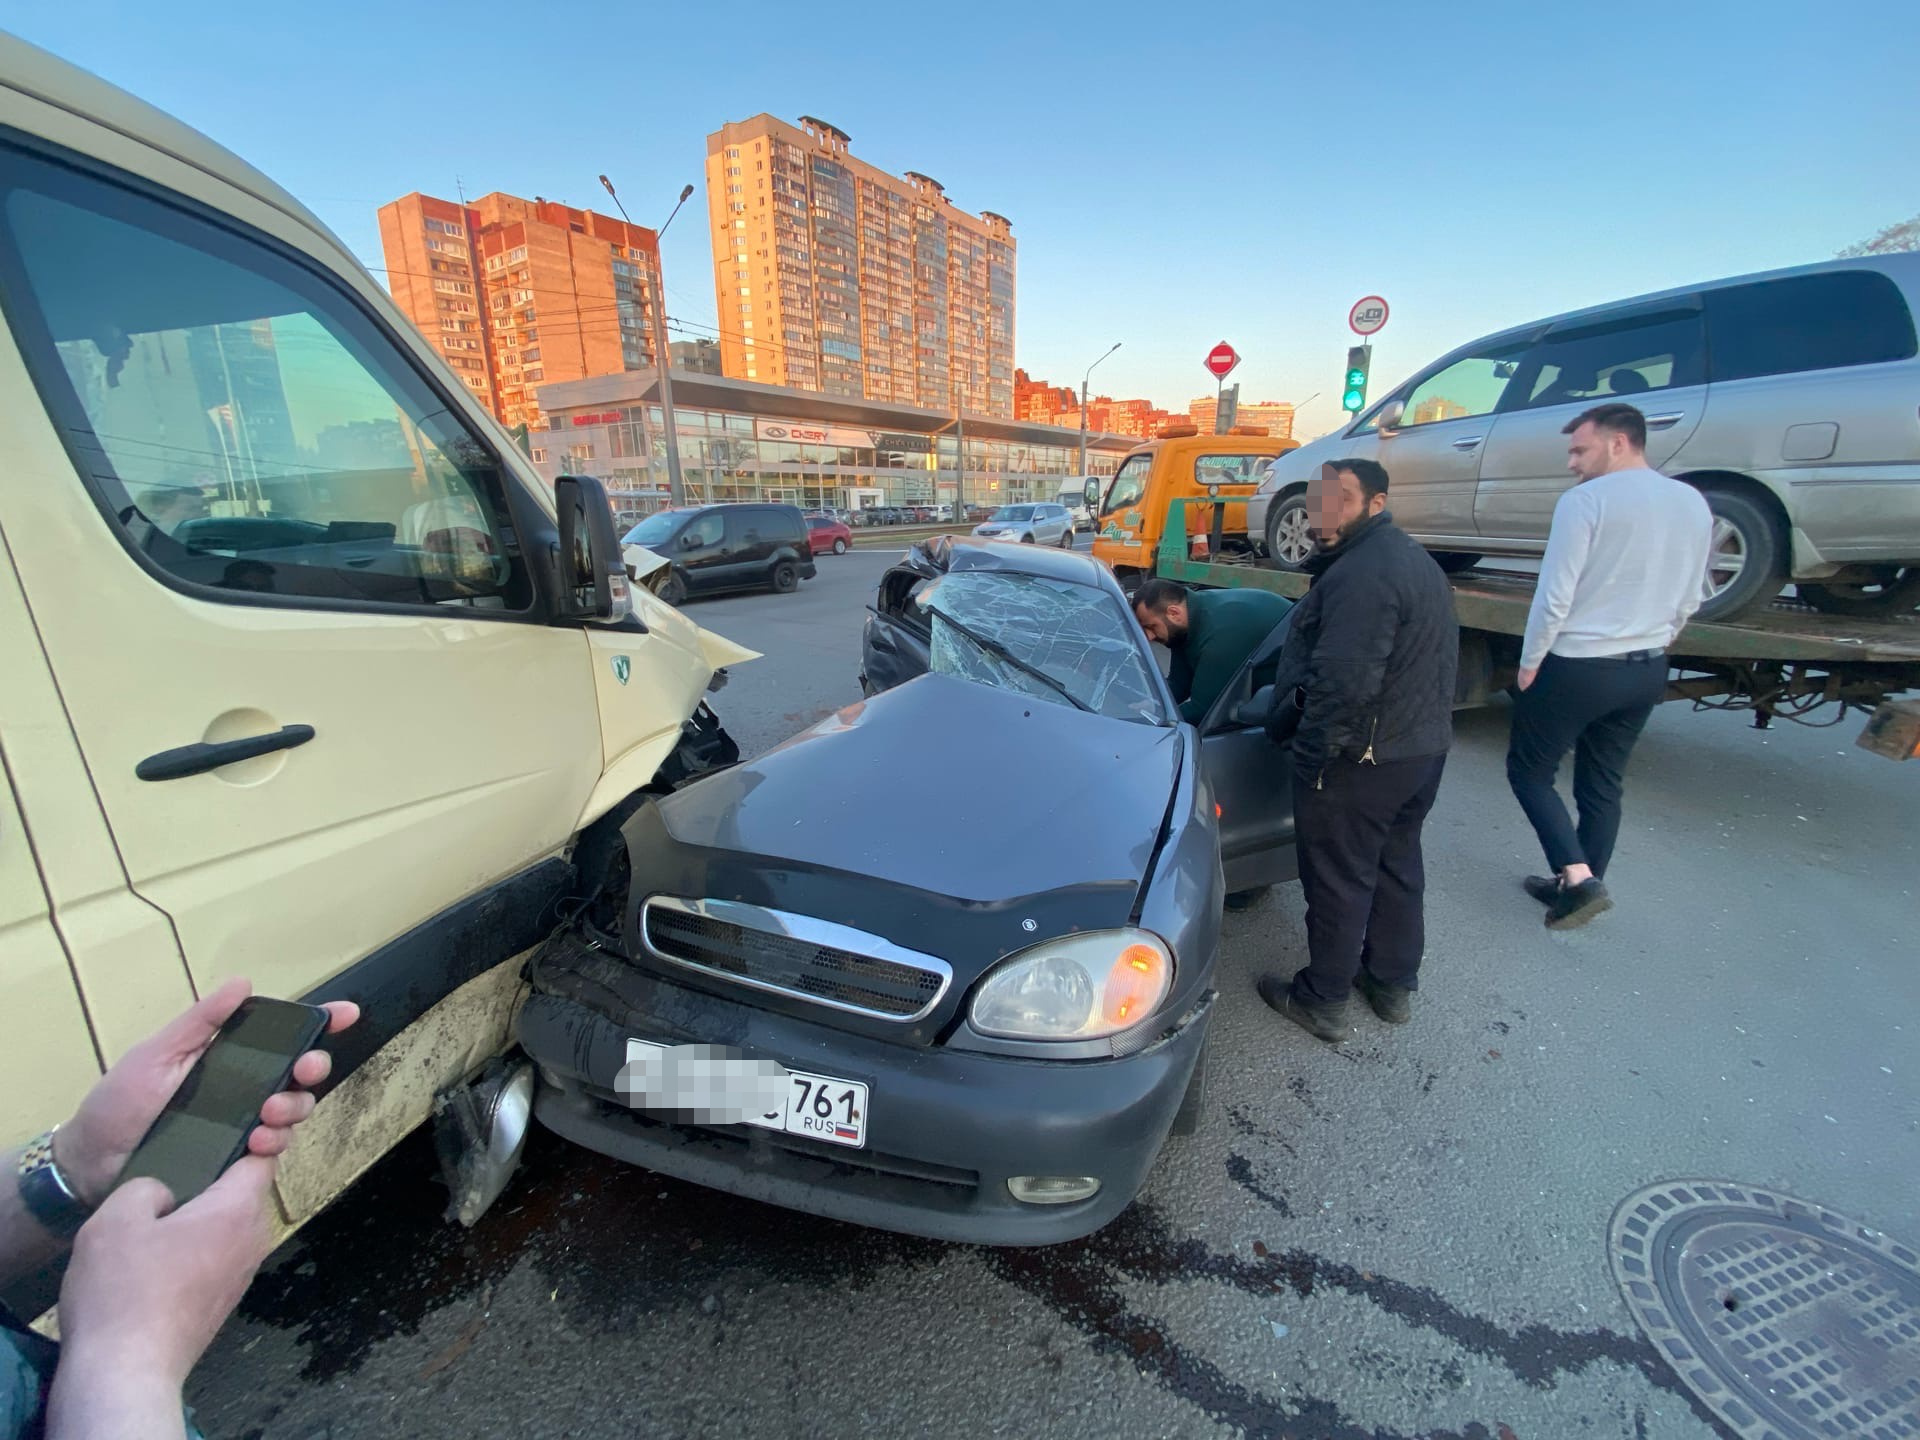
{"x":654,"y":531}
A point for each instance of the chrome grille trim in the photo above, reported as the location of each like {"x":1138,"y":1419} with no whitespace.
{"x":790,"y":933}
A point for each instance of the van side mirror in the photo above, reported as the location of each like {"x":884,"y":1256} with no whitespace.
{"x":591,"y":574}
{"x":1390,"y":415}
{"x":1093,"y":495}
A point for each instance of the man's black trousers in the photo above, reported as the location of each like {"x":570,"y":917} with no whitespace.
{"x":1358,"y":831}
{"x":1597,"y":709}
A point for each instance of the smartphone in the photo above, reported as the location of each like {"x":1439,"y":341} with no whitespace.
{"x":205,"y":1126}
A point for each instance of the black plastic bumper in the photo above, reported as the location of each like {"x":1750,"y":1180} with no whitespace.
{"x":946,"y":1127}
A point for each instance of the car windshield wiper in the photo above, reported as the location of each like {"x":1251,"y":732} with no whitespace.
{"x":1000,"y":652}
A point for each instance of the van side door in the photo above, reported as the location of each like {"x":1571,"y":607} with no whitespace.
{"x":48,"y":1060}
{"x":1652,"y":357}
{"x":753,"y":533}
{"x":297,"y":604}
{"x":702,"y":550}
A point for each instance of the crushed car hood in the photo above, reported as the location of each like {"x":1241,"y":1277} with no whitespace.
{"x":950,"y":787}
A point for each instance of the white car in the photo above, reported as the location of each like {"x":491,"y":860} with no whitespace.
{"x":1042,"y":524}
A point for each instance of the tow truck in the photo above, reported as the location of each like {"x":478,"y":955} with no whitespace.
{"x":1784,"y":661}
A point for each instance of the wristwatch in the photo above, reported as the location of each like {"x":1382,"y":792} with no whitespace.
{"x":50,"y":1197}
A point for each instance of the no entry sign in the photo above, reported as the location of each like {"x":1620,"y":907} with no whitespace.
{"x":1221,"y":360}
{"x":1367,"y":316}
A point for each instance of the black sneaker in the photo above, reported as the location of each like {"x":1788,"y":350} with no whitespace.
{"x":1392,"y":1003}
{"x":1544,"y":888}
{"x":1330,"y":1023}
{"x":1575,"y":905}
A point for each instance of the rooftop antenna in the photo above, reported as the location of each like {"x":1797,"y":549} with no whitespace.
{"x":460,"y":190}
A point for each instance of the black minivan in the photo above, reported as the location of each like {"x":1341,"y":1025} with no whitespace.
{"x":728,"y":547}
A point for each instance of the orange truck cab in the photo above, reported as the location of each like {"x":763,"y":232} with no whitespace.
{"x":1180,"y":464}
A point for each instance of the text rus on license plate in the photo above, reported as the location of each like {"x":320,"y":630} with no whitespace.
{"x":821,"y":1107}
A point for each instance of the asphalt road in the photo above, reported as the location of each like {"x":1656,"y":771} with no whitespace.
{"x":1404,"y":1238}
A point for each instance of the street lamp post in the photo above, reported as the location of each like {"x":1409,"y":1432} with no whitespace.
{"x":1084,"y":380}
{"x":662,"y":355}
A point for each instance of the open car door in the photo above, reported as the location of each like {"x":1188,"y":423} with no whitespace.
{"x":1251,"y":777}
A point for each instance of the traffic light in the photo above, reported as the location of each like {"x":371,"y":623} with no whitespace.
{"x":1353,"y":394}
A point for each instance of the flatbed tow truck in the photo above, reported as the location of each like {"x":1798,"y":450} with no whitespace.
{"x":1785,"y":660}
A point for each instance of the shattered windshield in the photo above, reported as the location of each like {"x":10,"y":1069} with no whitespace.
{"x":1074,"y":635}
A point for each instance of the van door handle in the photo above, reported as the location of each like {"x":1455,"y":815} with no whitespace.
{"x":1666,"y":421}
{"x":198,"y":759}
{"x":1467,"y":442}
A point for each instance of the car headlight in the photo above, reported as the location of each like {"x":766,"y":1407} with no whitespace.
{"x":1080,"y":987}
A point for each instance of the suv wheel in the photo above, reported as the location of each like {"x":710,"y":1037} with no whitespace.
{"x":1895,"y":595}
{"x":1290,"y":533}
{"x":1066,"y":539}
{"x":786,"y":578}
{"x":1026,"y":539}
{"x":1747,"y":562}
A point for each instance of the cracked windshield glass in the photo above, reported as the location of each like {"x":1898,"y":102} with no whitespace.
{"x":1070,"y":633}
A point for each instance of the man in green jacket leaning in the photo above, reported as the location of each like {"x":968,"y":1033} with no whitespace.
{"x":1210,"y":634}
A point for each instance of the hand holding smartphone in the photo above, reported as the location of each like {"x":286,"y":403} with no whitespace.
{"x":204,"y":1127}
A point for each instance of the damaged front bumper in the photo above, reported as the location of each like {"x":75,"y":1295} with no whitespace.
{"x":947,"y":1129}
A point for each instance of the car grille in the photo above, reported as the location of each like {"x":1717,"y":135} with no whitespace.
{"x":796,"y":955}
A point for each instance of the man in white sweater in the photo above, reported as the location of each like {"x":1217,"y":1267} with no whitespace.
{"x":1625,"y":567}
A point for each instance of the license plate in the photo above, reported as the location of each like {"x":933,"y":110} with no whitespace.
{"x":759,"y":1092}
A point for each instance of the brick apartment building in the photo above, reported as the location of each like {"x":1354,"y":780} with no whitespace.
{"x":517,"y":293}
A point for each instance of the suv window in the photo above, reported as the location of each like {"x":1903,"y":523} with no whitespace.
{"x":1129,"y":484}
{"x":1811,"y":322}
{"x":1469,"y":386}
{"x":1613,"y":360}
{"x":247,"y":425}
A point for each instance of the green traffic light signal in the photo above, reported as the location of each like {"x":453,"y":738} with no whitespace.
{"x":1359,"y":361}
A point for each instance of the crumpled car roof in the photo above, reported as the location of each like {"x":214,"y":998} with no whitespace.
{"x":948,"y":554}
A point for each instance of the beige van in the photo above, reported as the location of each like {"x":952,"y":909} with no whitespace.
{"x":307,"y":675}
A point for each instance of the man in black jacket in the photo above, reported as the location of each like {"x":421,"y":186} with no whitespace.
{"x":1365,"y":689}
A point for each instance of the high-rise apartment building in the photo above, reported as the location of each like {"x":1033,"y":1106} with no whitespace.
{"x":1276,"y":415}
{"x":516,"y":293}
{"x":832,"y":275}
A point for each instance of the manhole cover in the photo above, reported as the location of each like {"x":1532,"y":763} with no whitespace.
{"x":1787,"y":1320}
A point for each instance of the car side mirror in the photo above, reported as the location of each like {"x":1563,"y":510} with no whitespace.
{"x":1390,"y":415}
{"x":588,"y":565}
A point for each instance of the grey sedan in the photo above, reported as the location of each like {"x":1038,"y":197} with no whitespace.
{"x":967,"y":1010}
{"x":1045,"y":524}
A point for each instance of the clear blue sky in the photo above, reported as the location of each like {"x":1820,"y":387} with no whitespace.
{"x":1176,"y":175}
